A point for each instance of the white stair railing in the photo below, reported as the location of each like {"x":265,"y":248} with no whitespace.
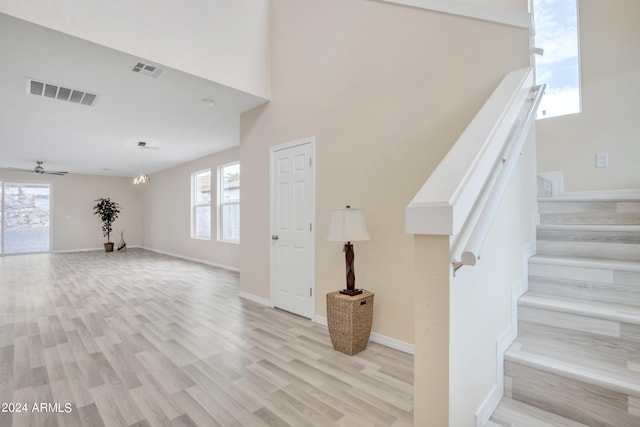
{"x":505,"y":168}
{"x":462,"y":195}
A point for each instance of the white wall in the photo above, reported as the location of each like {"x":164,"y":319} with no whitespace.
{"x":223,"y":41}
{"x":386,"y":90}
{"x":610,"y":66}
{"x":73,"y":224}
{"x":167,"y":213}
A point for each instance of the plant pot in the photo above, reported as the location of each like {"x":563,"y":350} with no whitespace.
{"x":108,"y":247}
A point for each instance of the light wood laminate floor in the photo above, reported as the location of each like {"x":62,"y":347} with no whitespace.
{"x":142,"y":339}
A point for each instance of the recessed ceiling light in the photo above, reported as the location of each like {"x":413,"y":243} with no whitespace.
{"x":208,"y":102}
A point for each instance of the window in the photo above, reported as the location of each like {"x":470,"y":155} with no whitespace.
{"x":229,"y":202}
{"x":24,"y":217}
{"x":556,"y":23}
{"x":201,"y":204}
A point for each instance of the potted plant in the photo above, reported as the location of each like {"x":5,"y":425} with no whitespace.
{"x":108,"y":211}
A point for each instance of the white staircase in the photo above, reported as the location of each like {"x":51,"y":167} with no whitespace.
{"x":576,"y":360}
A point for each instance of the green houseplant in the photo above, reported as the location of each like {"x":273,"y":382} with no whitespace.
{"x":108,"y":211}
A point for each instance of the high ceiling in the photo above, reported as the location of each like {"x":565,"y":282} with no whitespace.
{"x":184,"y":116}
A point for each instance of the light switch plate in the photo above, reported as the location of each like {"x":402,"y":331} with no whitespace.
{"x":602,"y":160}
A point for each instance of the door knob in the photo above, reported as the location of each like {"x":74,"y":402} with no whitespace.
{"x":274,"y":237}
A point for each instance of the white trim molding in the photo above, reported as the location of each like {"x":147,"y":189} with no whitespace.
{"x":255,"y":298}
{"x":557,"y":181}
{"x":201,"y":261}
{"x":556,"y":178}
{"x":506,"y":338}
{"x":384,"y":340}
{"x":471,"y":10}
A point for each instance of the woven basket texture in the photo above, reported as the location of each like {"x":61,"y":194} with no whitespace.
{"x":349,"y":320}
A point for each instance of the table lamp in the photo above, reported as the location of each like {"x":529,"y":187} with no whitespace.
{"x":347,"y":225}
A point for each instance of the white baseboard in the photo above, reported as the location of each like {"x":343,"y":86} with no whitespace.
{"x":557,"y":180}
{"x":384,"y":340}
{"x":321,"y":320}
{"x":101,"y":248}
{"x":201,"y":261}
{"x":254,"y":298}
{"x":71,"y":251}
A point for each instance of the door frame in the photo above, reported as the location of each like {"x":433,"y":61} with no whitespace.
{"x":311,"y":141}
{"x":2,"y":207}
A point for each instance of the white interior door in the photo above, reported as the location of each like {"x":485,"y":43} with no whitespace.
{"x":292,"y":208}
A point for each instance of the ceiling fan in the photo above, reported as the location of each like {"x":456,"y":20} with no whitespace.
{"x":144,"y":145}
{"x":40,"y":170}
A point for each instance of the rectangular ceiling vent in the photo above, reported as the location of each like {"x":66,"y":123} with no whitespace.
{"x":54,"y":91}
{"x":147,"y":70}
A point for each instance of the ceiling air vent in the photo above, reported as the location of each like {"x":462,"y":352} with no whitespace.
{"x":54,"y":91}
{"x":147,"y":70}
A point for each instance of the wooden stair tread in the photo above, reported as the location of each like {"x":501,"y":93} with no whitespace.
{"x":590,"y":227}
{"x":596,"y":263}
{"x":577,"y":353}
{"x":612,"y":377}
{"x":512,"y":413}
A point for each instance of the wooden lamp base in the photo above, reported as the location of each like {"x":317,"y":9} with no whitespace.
{"x":351,"y":292}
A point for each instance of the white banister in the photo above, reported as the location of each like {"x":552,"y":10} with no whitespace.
{"x":476,"y":240}
{"x":460,"y":197}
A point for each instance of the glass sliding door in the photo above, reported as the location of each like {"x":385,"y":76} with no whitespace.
{"x":25,"y":213}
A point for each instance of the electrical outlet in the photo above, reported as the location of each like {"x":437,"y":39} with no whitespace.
{"x":602,"y":160}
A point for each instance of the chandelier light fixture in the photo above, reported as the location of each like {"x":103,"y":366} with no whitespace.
{"x":142,"y":178}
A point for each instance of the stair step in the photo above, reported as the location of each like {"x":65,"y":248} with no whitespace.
{"x":575,"y":389}
{"x":512,"y":413}
{"x":577,"y":358}
{"x":589,"y":211}
{"x":610,"y":354}
{"x":584,"y":308}
{"x":590,"y":263}
{"x":620,"y":242}
{"x":587,"y":279}
{"x":577,"y":354}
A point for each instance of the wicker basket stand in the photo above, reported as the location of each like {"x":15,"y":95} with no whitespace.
{"x":349,"y":320}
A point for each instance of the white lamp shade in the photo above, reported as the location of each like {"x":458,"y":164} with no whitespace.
{"x":347,"y":225}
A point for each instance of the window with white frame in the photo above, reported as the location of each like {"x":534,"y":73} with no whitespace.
{"x":229,"y":202}
{"x":556,"y":24}
{"x":201,"y":204}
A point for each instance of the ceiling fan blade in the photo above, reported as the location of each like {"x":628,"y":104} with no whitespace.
{"x":55,"y":173}
{"x":20,"y":169}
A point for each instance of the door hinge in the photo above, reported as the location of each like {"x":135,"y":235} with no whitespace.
{"x":310,"y":292}
{"x":310,"y":162}
{"x":310,"y":227}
